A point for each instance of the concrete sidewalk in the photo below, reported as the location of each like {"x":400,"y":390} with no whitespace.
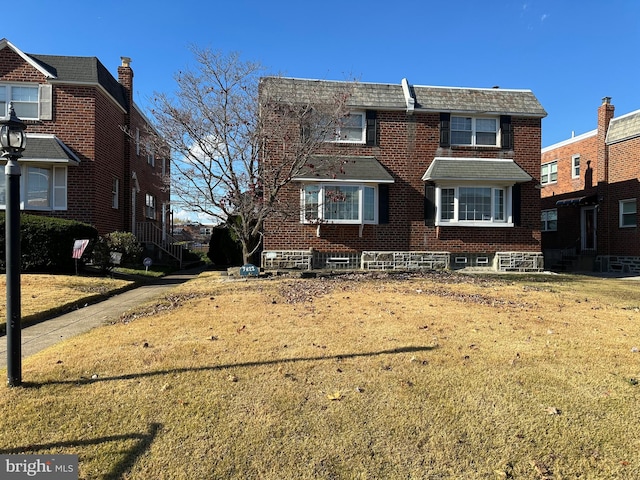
{"x":49,"y":332}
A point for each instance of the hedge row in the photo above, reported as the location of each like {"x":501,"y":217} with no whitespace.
{"x":46,"y":244}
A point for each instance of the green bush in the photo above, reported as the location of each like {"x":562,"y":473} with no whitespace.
{"x":124,"y":243}
{"x":46,"y":244}
{"x":224,"y":250}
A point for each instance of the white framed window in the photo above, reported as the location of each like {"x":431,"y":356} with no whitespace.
{"x":549,"y":220}
{"x":115,"y":192}
{"x":25,"y":98}
{"x":480,"y":131}
{"x":549,"y":173}
{"x":349,"y":129}
{"x":575,"y":166}
{"x":150,"y":206}
{"x":628,"y":213}
{"x":471,"y":205}
{"x":151,"y":159}
{"x":137,"y":141}
{"x":41,"y":188}
{"x":349,"y":204}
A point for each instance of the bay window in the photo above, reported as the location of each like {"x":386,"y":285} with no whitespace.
{"x":474,"y":205}
{"x":350,"y":204}
{"x":41,"y":188}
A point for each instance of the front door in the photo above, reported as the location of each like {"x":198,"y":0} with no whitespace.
{"x":588,"y":229}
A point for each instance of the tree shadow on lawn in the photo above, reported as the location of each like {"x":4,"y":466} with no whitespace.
{"x":130,"y":376}
{"x":129,"y":456}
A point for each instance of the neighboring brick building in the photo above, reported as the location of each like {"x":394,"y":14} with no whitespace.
{"x":589,"y":191}
{"x":429,"y":177}
{"x":86,"y":157}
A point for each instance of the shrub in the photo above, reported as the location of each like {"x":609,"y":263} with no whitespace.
{"x":124,"y":243}
{"x":46,"y":244}
{"x":224,"y":250}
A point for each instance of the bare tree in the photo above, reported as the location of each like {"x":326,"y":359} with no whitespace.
{"x":238,"y":138}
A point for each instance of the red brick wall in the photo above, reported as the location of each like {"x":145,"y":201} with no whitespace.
{"x":407,"y":146}
{"x":91,"y":123}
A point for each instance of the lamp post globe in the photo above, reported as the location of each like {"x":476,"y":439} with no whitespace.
{"x":12,"y":144}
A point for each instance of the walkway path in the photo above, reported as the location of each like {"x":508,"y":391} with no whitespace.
{"x":45,"y":334}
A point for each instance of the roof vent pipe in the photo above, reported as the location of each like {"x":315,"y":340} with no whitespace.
{"x":408,"y":96}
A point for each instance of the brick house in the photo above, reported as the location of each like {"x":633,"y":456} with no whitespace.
{"x":429,"y":177}
{"x":589,"y":191}
{"x":86,"y":157}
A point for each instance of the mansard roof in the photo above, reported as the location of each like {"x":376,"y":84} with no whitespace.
{"x":624,"y":127}
{"x":404,"y":96}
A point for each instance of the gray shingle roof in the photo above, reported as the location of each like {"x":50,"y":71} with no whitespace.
{"x":344,"y":169}
{"x":475,"y":169}
{"x":48,"y":148}
{"x":381,"y":96}
{"x":82,"y":70}
{"x":623,"y":128}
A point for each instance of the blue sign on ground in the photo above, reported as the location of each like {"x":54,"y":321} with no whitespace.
{"x":249,"y":270}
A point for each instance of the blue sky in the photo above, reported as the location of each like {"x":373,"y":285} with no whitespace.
{"x":570,"y":53}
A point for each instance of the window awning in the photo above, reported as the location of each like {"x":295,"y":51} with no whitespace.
{"x":47,"y":149}
{"x":586,"y":200}
{"x":476,"y":170}
{"x":343,"y":169}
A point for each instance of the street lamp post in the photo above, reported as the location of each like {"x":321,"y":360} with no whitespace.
{"x":12,"y":143}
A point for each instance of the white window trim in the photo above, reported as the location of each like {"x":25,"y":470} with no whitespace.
{"x":335,"y":138}
{"x":321,"y":195}
{"x":620,"y":210}
{"x":474,"y":131}
{"x":455,"y":221}
{"x":549,"y":173}
{"x":115,"y":193}
{"x":545,"y":221}
{"x":575,"y":159}
{"x":9,"y":99}
{"x":150,"y":211}
{"x":58,"y":193}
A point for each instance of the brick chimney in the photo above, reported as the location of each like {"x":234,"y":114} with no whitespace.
{"x":125,"y":78}
{"x":605,"y":114}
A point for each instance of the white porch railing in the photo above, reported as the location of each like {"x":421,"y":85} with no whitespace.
{"x":147,"y":232}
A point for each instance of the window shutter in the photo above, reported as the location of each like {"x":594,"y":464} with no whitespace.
{"x":445,"y":129}
{"x":46,"y":102}
{"x":429,"y":205}
{"x":383,"y":203}
{"x":372,"y":128}
{"x":516,"y":203}
{"x":506,"y":132}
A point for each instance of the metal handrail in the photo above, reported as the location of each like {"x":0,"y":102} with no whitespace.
{"x":147,"y":232}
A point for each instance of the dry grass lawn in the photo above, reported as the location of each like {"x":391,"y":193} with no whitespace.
{"x":356,"y":377}
{"x":45,"y":293}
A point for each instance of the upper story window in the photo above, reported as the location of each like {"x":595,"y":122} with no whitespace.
{"x":25,"y":98}
{"x":549,"y":173}
{"x":575,"y":166}
{"x":355,"y":204}
{"x":628,"y":215}
{"x":349,"y":129}
{"x":481,"y":131}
